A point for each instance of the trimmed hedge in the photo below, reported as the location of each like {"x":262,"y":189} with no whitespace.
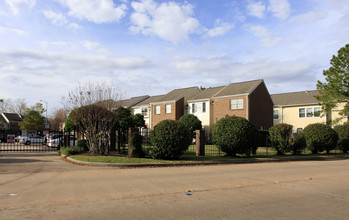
{"x":298,"y":143}
{"x":235,"y":135}
{"x":135,"y":145}
{"x":71,"y":150}
{"x":320,"y":137}
{"x":170,"y":140}
{"x":280,"y":135}
{"x":343,"y":135}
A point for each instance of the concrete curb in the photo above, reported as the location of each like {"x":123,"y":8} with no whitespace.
{"x":242,"y":161}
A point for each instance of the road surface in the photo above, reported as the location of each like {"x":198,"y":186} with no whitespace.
{"x":43,"y":186}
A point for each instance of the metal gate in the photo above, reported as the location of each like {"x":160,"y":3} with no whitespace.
{"x":10,"y":142}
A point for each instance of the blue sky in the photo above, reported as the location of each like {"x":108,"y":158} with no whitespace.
{"x":149,"y":47}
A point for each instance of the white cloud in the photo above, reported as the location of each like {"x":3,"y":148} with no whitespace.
{"x":280,"y":8}
{"x":5,"y":30}
{"x":60,"y":19}
{"x":309,"y":17}
{"x":89,"y":45}
{"x":56,"y":18}
{"x":16,"y":5}
{"x":256,"y":9}
{"x":98,"y":11}
{"x":74,"y":26}
{"x":267,"y":37}
{"x":220,"y":28}
{"x":170,"y":21}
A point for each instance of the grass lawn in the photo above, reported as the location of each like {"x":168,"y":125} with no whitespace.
{"x":203,"y":159}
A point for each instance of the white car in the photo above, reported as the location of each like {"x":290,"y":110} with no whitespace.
{"x":30,"y":140}
{"x":57,"y":141}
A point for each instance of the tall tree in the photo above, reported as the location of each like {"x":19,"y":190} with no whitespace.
{"x":92,"y":93}
{"x":96,"y":123}
{"x":59,"y":117}
{"x":335,"y":89}
{"x":32,"y":121}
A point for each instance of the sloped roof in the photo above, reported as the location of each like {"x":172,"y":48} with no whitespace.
{"x":239,"y":88}
{"x":12,"y":117}
{"x":150,"y":100}
{"x":207,"y":93}
{"x":127,"y":103}
{"x":177,"y":94}
{"x":295,"y":98}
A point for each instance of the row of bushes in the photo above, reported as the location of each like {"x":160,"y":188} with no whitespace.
{"x":233,"y":135}
{"x":315,"y":137}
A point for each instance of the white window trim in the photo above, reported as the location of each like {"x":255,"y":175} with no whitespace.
{"x":236,"y":106}
{"x":168,"y":111}
{"x":157,"y":109}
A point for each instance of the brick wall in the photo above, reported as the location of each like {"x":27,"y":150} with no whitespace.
{"x":221,"y":108}
{"x":261,"y":108}
{"x":163,"y":116}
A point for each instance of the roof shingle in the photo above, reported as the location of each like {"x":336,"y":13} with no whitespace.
{"x":295,"y":98}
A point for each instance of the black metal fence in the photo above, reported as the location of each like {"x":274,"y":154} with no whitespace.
{"x":33,"y":142}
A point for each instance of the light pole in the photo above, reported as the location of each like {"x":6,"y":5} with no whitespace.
{"x":46,"y":124}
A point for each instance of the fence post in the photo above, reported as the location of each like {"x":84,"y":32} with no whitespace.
{"x":200,"y":143}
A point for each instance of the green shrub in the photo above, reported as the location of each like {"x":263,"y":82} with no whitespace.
{"x":191,"y":122}
{"x":71,"y":150}
{"x":343,"y":135}
{"x":280,"y":138}
{"x":170,"y":140}
{"x":298,"y":143}
{"x":82,"y":144}
{"x":135,"y":145}
{"x":235,"y":135}
{"x":320,"y":137}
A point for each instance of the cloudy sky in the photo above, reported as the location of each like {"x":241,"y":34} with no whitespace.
{"x":149,"y":47}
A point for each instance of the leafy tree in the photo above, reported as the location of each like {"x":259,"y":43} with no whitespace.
{"x":336,"y":88}
{"x":32,"y":121}
{"x":191,"y":122}
{"x":69,"y":124}
{"x":138,"y":121}
{"x":124,"y":121}
{"x":96,"y":123}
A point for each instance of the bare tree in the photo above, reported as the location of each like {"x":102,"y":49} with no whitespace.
{"x":18,"y":106}
{"x":59,"y":117}
{"x":92,"y":93}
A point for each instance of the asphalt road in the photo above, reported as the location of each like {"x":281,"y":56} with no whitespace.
{"x":42,"y":186}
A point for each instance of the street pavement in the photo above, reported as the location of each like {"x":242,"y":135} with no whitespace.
{"x":43,"y":186}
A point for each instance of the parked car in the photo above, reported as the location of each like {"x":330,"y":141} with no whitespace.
{"x":29,"y":140}
{"x":18,"y":138}
{"x":57,"y":141}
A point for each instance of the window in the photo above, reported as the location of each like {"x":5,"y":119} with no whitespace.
{"x":317,"y":111}
{"x":168,"y":109}
{"x":144,"y":111}
{"x":236,"y":104}
{"x":310,"y":112}
{"x":276,"y":114}
{"x":157,"y":109}
{"x":302,"y":112}
{"x":299,"y":130}
{"x":204,"y":107}
{"x":193,"y":109}
{"x":198,"y":107}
